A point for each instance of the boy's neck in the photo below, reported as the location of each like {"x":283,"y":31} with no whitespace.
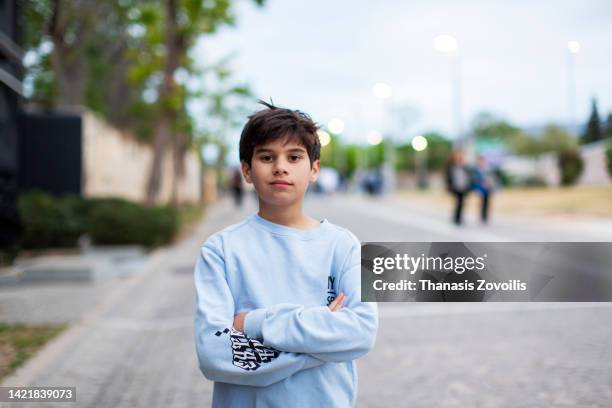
{"x":290,"y":216}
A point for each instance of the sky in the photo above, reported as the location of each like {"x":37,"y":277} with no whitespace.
{"x":324,"y":57}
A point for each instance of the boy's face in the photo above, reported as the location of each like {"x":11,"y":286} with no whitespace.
{"x":280,"y":172}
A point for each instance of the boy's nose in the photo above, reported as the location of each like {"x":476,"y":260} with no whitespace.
{"x":280,"y":167}
{"x":279,"y":170}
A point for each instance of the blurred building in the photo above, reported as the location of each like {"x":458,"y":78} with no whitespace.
{"x":80,"y":153}
{"x":545,"y":167}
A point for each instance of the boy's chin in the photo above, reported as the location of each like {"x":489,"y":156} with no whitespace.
{"x":279,"y":201}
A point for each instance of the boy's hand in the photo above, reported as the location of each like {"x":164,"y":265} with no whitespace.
{"x":239,"y":321}
{"x":337,"y":303}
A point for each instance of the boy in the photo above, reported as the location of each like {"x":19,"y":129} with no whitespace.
{"x":278,"y":317}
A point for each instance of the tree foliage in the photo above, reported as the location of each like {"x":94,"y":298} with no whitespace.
{"x":570,"y":165}
{"x":607,"y":133}
{"x":609,"y":158}
{"x":554,"y":139}
{"x":438,"y":151}
{"x":593,"y":130}
{"x":487,"y":126}
{"x":130,"y":61}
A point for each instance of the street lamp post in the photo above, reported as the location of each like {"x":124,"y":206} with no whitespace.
{"x":383,"y":92}
{"x":336,"y":127}
{"x":374,"y":139}
{"x":419,"y":144}
{"x":573,"y":48}
{"x":447,"y":44}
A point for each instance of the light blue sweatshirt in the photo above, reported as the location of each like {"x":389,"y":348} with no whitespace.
{"x":294,"y":352}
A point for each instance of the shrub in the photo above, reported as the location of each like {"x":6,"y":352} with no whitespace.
{"x":505,"y":179}
{"x":59,"y":222}
{"x":119,"y":222}
{"x":609,"y":158}
{"x":48,"y":221}
{"x":570,"y":166}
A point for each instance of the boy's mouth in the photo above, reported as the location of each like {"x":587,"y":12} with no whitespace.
{"x":280,"y":183}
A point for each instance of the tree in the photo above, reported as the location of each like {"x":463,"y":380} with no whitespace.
{"x":593,"y":130}
{"x":487,"y":126}
{"x":223,"y":105}
{"x":556,"y":139}
{"x":183,"y":22}
{"x":570,"y":165}
{"x":609,"y":158}
{"x":438,"y":152}
{"x":608,"y":127}
{"x":73,"y":52}
{"x":123,"y":59}
{"x":553,"y":139}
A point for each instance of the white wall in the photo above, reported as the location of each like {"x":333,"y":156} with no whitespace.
{"x":545,"y":166}
{"x":115,"y":164}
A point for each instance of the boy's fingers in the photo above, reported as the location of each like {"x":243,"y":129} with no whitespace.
{"x":341,"y":303}
{"x":338,"y":302}
{"x":333,"y":304}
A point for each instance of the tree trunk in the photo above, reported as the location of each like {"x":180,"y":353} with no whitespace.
{"x":179,"y":153}
{"x":70,"y":78}
{"x":175,"y":49}
{"x":160,"y":141}
{"x":67,"y":59}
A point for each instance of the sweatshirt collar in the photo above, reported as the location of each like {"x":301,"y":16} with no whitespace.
{"x":279,"y":229}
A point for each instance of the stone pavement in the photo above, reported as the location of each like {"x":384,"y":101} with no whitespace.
{"x":489,"y":355}
{"x":135,"y":348}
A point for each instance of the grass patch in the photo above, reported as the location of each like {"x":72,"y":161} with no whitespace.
{"x":19,"y":342}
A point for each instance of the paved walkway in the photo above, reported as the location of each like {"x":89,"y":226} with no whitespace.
{"x":135,"y":348}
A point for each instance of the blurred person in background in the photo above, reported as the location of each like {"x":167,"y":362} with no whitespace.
{"x":373,"y":182}
{"x":484,"y":183}
{"x":458,"y":183}
{"x":237,"y":187}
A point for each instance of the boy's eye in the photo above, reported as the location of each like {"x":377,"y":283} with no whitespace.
{"x":265,"y":158}
{"x":294,"y":158}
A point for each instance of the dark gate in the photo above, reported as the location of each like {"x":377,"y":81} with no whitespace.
{"x":50,"y":153}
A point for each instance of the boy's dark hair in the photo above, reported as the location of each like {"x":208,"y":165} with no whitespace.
{"x":275,"y":123}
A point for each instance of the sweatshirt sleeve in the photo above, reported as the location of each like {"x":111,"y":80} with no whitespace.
{"x":343,"y":335}
{"x":225,"y":354}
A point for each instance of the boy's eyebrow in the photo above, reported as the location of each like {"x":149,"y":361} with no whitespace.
{"x":266,"y":150}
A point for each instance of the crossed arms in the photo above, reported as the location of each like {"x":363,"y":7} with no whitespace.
{"x":270,"y":344}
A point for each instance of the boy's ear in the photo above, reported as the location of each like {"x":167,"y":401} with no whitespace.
{"x":314,"y":171}
{"x":246,"y":171}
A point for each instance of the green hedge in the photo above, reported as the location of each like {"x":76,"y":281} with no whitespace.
{"x":119,"y":222}
{"x":570,"y":165}
{"x":609,"y":157}
{"x":50,"y":222}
